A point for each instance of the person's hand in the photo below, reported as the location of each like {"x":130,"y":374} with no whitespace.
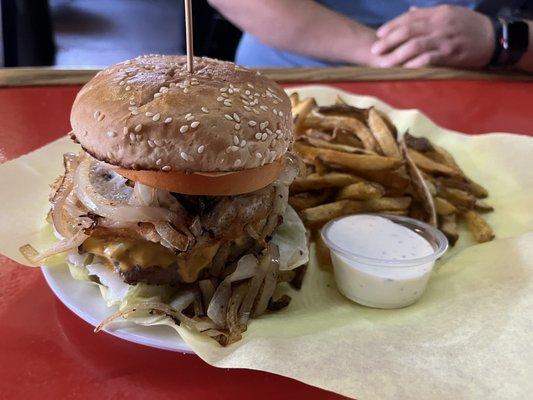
{"x":437,"y":36}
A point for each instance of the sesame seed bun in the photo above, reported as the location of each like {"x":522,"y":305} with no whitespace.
{"x":150,"y":114}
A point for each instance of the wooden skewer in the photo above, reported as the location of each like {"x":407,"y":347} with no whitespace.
{"x":188,"y":36}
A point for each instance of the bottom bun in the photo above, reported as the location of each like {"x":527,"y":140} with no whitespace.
{"x":208,"y":183}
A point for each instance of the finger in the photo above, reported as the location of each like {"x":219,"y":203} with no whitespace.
{"x":424,"y":60}
{"x":397,"y":37}
{"x":403,"y":19}
{"x":407,"y":51}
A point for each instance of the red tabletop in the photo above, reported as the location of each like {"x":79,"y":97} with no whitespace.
{"x":47,"y":352}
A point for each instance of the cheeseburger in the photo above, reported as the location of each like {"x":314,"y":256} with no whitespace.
{"x":176,"y":205}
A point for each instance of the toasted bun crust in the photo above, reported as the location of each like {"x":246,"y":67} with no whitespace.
{"x":149,"y":113}
{"x":211,"y":183}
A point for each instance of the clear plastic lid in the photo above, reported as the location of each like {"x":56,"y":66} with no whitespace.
{"x":432,"y":235}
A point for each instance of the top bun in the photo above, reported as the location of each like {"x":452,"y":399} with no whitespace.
{"x":150,"y":113}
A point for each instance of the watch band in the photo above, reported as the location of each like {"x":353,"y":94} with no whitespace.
{"x":512,"y":41}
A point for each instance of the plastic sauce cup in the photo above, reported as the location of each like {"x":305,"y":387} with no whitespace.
{"x":383,"y":261}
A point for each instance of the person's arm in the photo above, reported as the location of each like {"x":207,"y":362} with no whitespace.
{"x":301,"y":26}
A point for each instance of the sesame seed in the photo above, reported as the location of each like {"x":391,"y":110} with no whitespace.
{"x":237,"y":162}
{"x":247,"y":92}
{"x":275,"y":111}
{"x":223,"y":89}
{"x":269,"y":131}
{"x":159,"y":161}
{"x":227,"y":103}
{"x":138,"y":137}
{"x":273,"y":143}
{"x":236,"y":117}
{"x":245,"y":102}
{"x":190,"y":118}
{"x":183,"y":155}
{"x":134,"y":112}
{"x":194,"y":83}
{"x":156,"y":95}
{"x":125,"y":130}
{"x":159,"y":142}
{"x":230,"y":91}
{"x":168,"y":120}
{"x":255,"y":111}
{"x":122,"y":83}
{"x":151,"y":144}
{"x":156,"y":117}
{"x":204,"y":109}
{"x":138,"y":128}
{"x":264,"y":137}
{"x":276,"y":102}
{"x":128,"y":88}
{"x":172,"y":84}
{"x":263,"y":125}
{"x":132,"y":137}
{"x":237,"y":127}
{"x":280,"y":113}
{"x":228,"y":117}
{"x":258,"y":135}
{"x":258,"y":155}
{"x":236,"y":140}
{"x":149,"y":114}
{"x":252,"y":123}
{"x":228,"y":149}
{"x":132,"y":103}
{"x":195,"y":124}
{"x":111,"y":134}
{"x":166,"y":168}
{"x":243,"y":143}
{"x":247,"y":108}
{"x":163,"y":89}
{"x":234,"y":148}
{"x":263,"y":107}
{"x":185,"y":90}
{"x":184,"y":128}
{"x":220,"y":98}
{"x":201,"y":149}
{"x":188,"y":115}
{"x":250,"y":85}
{"x":225,"y":95}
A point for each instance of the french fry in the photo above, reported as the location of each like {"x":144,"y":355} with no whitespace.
{"x":325,"y":212}
{"x":466,"y":185}
{"x":352,"y":162}
{"x":395,"y":180}
{"x":300,"y":113}
{"x":351,"y":124}
{"x":444,"y":207}
{"x":448,"y":226}
{"x":420,"y":186}
{"x":459,"y":198}
{"x":295,"y":99}
{"x":420,"y":144}
{"x":315,"y":181}
{"x":482,"y":206}
{"x":341,"y":136}
{"x":382,"y":134}
{"x":343,"y":110}
{"x":428,"y":165}
{"x":323,"y":255}
{"x":479,"y":227}
{"x":320,"y":166}
{"x":324,"y":144}
{"x":361,"y":191}
{"x":304,"y":200}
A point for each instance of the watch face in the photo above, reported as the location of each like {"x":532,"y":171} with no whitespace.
{"x":518,"y":35}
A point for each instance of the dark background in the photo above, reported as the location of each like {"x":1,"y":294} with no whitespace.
{"x":96,"y":33}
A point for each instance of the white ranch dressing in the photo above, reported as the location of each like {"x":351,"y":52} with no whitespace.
{"x":377,"y":262}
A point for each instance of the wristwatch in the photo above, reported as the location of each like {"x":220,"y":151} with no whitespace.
{"x":512,"y":41}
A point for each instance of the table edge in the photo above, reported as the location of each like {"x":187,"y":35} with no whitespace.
{"x":44,"y":76}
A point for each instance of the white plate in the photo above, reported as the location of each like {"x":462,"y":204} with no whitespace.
{"x":84,"y":300}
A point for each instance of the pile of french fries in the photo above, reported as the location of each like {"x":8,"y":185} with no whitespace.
{"x":356,"y":162}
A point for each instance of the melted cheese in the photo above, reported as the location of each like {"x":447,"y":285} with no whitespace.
{"x":190,"y":265}
{"x":130,"y":252}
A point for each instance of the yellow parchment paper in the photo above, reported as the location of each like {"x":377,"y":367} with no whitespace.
{"x":469,"y":337}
